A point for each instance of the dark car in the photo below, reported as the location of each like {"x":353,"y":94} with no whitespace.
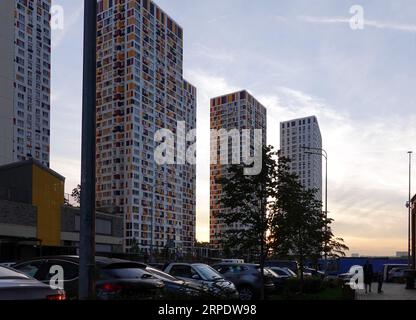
{"x":15,"y":285}
{"x":246,"y":278}
{"x":310,"y":272}
{"x":218,"y":287}
{"x":284,"y":272}
{"x":115,"y":279}
{"x":292,"y":265}
{"x":177,"y":289}
{"x":398,"y":275}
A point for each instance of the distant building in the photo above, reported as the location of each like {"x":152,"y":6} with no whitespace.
{"x":355,"y":255}
{"x":25,"y":75}
{"x":239,"y":110}
{"x":298,"y":133}
{"x":141,"y":90}
{"x":401,"y":254}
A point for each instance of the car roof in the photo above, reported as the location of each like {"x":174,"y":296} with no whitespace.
{"x":98,"y":260}
{"x":181,"y":264}
{"x":237,"y":264}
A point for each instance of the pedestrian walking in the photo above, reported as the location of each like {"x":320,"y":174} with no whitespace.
{"x":380,"y":282}
{"x":368,"y":276}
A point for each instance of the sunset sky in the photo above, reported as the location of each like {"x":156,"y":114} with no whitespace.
{"x":298,"y":58}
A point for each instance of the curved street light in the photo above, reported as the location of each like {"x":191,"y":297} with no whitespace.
{"x":323,"y":153}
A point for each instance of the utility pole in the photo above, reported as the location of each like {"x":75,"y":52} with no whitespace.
{"x":322,"y":153}
{"x":409,"y":206}
{"x":411,"y":272}
{"x":413,"y":236}
{"x":87,"y":221}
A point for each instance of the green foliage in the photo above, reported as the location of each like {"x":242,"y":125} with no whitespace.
{"x":279,"y":215}
{"x":249,"y":199}
{"x":300,"y":228}
{"x":76,"y":194}
{"x":310,"y":286}
{"x":315,"y":289}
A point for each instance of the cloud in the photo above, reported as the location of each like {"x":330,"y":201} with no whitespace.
{"x":369,"y":23}
{"x":216,"y":55}
{"x":367,"y":166}
{"x":209,"y":86}
{"x":367,"y":163}
{"x":217,"y":19}
{"x":69,"y":22}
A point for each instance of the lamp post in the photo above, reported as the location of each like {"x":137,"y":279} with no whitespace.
{"x":87,"y":219}
{"x":322,"y":152}
{"x":409,"y":207}
{"x":411,"y":272}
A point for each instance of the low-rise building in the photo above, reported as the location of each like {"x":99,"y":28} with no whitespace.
{"x":35,"y":221}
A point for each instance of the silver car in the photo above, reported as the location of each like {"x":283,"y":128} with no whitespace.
{"x":246,"y":277}
{"x":206,"y":276}
{"x":15,"y":285}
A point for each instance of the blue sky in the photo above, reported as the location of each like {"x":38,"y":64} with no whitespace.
{"x":298,"y":58}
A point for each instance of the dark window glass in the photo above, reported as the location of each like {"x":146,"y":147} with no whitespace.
{"x":70,"y":269}
{"x":30,"y":268}
{"x":6,"y":273}
{"x":182,"y":271}
{"x":124,"y":273}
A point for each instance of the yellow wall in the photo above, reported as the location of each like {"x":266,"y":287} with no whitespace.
{"x":48,"y":197}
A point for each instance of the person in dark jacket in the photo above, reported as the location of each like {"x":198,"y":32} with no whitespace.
{"x":368,"y":276}
{"x":380,"y":282}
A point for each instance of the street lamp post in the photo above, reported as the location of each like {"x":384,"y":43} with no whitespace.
{"x":409,"y":206}
{"x":322,"y":152}
{"x":87,"y":219}
{"x":411,"y":272}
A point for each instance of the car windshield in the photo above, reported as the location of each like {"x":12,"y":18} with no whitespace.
{"x":207,"y":272}
{"x":161,"y":275}
{"x":266,"y":271}
{"x":290,"y":272}
{"x":274,"y":274}
{"x":124,"y":273}
{"x":6,"y":273}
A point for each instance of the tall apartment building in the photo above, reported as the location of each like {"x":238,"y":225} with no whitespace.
{"x":141,"y":89}
{"x":238,"y":110}
{"x":25,"y":73}
{"x":294,"y":135}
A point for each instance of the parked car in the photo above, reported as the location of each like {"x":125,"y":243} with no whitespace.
{"x":346,"y":277}
{"x":7,"y":264}
{"x":292,"y":265}
{"x":388,"y":267}
{"x":15,"y":285}
{"x":279,"y":281}
{"x":246,"y":278}
{"x":217,"y":285}
{"x":178,"y":289}
{"x":158,"y":266}
{"x":284,"y":272}
{"x":398,"y":275}
{"x":115,"y":279}
{"x":310,"y":272}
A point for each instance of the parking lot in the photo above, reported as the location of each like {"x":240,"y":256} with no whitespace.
{"x":391,"y":291}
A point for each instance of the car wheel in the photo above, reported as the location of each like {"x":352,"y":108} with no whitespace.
{"x":246,"y":294}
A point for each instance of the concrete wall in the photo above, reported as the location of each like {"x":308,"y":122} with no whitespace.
{"x":70,"y":214}
{"x":7,"y":73}
{"x":17,"y":219}
{"x":70,"y":229}
{"x":17,"y":213}
{"x":16,"y":183}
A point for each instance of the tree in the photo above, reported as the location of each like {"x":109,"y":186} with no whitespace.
{"x":76,"y":194}
{"x":300,"y":227}
{"x":248,"y":200}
